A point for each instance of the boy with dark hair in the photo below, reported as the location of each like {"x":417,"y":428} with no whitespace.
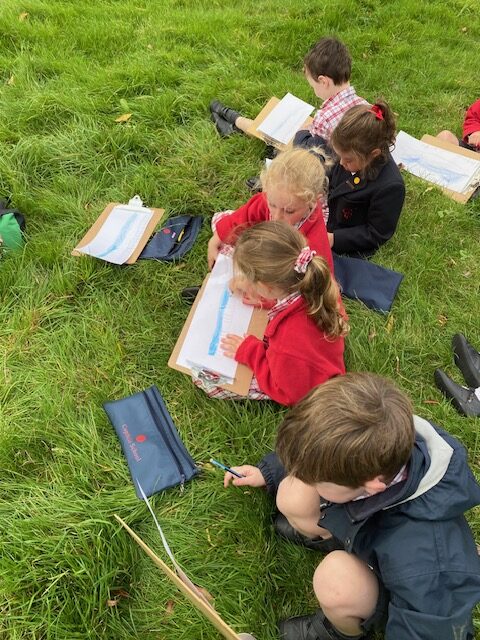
{"x":327,"y":69}
{"x":385,"y":491}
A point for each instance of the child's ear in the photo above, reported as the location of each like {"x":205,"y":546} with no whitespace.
{"x":375,"y":153}
{"x":376,"y":485}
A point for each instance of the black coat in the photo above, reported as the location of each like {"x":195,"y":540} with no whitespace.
{"x":364,"y":212}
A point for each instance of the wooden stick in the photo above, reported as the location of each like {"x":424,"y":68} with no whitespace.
{"x":197,"y":602}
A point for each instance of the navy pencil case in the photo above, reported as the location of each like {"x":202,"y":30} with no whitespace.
{"x":156,"y":456}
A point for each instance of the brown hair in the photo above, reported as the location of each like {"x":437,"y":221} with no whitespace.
{"x":362,"y":131}
{"x":347,"y":431}
{"x":301,"y":171}
{"x":268,"y":251}
{"x":329,"y":57}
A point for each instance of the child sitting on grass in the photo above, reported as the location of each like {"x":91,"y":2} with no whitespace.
{"x":471,"y":130}
{"x":293,"y":186}
{"x":356,"y":468}
{"x":304,"y":339}
{"x":327,"y":67}
{"x":366,"y":190}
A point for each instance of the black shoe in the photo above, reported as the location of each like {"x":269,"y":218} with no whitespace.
{"x":313,"y":627}
{"x":223,"y":127}
{"x":467,"y":360}
{"x":463,"y":399}
{"x":285,"y":530}
{"x":253,"y":184}
{"x":224,"y":112}
{"x":189,"y":294}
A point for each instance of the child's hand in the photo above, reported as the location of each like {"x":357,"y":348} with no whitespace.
{"x":230,"y":343}
{"x":214,"y":246}
{"x":474,"y":138}
{"x":253,"y":477}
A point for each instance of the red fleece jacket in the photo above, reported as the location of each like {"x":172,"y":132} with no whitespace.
{"x":294,"y":357}
{"x":256,"y":210}
{"x":472,"y":120}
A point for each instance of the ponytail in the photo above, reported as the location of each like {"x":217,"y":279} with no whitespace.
{"x":321,"y":293}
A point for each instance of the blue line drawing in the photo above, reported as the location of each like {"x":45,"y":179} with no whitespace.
{"x":120,"y":237}
{"x":212,"y":349}
{"x":434,"y":172}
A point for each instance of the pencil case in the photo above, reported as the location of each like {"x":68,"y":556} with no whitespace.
{"x":176,"y":237}
{"x":155,"y":453}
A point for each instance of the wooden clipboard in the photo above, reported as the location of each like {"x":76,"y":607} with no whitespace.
{"x":243,"y":375}
{"x":463,"y":198}
{"x":253,"y":131}
{"x":207,"y":610}
{"x":96,"y":226}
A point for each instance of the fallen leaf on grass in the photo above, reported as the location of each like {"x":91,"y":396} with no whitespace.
{"x":442,"y":320}
{"x":169,"y":607}
{"x":390,"y":323}
{"x":205,"y":593}
{"x":372,"y":334}
{"x":112,"y":603}
{"x":23,"y":16}
{"x":125,"y":117}
{"x":11,"y":80}
{"x":431,"y":402}
{"x":464,"y":29}
{"x":467,"y":274}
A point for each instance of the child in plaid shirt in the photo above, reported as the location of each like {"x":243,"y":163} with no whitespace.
{"x":304,"y":340}
{"x":327,"y":67}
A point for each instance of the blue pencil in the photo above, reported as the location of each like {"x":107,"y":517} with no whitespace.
{"x":225,"y":468}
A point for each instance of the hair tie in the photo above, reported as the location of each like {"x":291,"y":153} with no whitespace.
{"x":377,"y":110}
{"x":304,"y":258}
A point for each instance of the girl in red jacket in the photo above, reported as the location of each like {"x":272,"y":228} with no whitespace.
{"x":304,"y":340}
{"x":293,"y":186}
{"x":471,"y":130}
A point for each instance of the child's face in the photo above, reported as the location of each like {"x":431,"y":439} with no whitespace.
{"x":284,"y":206}
{"x":320,"y":87}
{"x":338,"y":493}
{"x":350,"y":161}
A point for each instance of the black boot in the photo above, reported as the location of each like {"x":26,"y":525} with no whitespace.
{"x":313,"y":627}
{"x":285,"y":530}
{"x":463,"y":399}
{"x":253,"y":184}
{"x":467,"y":360}
{"x":223,"y":127}
{"x":189,"y":294}
{"x":224,"y":112}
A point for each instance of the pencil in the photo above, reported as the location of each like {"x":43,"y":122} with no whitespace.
{"x":225,"y":468}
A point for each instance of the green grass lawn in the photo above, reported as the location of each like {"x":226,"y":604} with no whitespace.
{"x":76,"y":332}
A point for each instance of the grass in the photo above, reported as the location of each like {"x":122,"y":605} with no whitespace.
{"x":76,"y":332}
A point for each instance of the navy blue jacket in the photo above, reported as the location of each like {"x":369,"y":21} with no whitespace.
{"x":415,"y":537}
{"x":364,"y":212}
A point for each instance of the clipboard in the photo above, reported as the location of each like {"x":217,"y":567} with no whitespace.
{"x":201,"y":605}
{"x":243,"y":375}
{"x":253,"y":130}
{"x":96,"y":226}
{"x":463,"y":198}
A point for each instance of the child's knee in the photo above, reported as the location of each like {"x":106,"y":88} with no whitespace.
{"x":297,"y":499}
{"x":343,"y":582}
